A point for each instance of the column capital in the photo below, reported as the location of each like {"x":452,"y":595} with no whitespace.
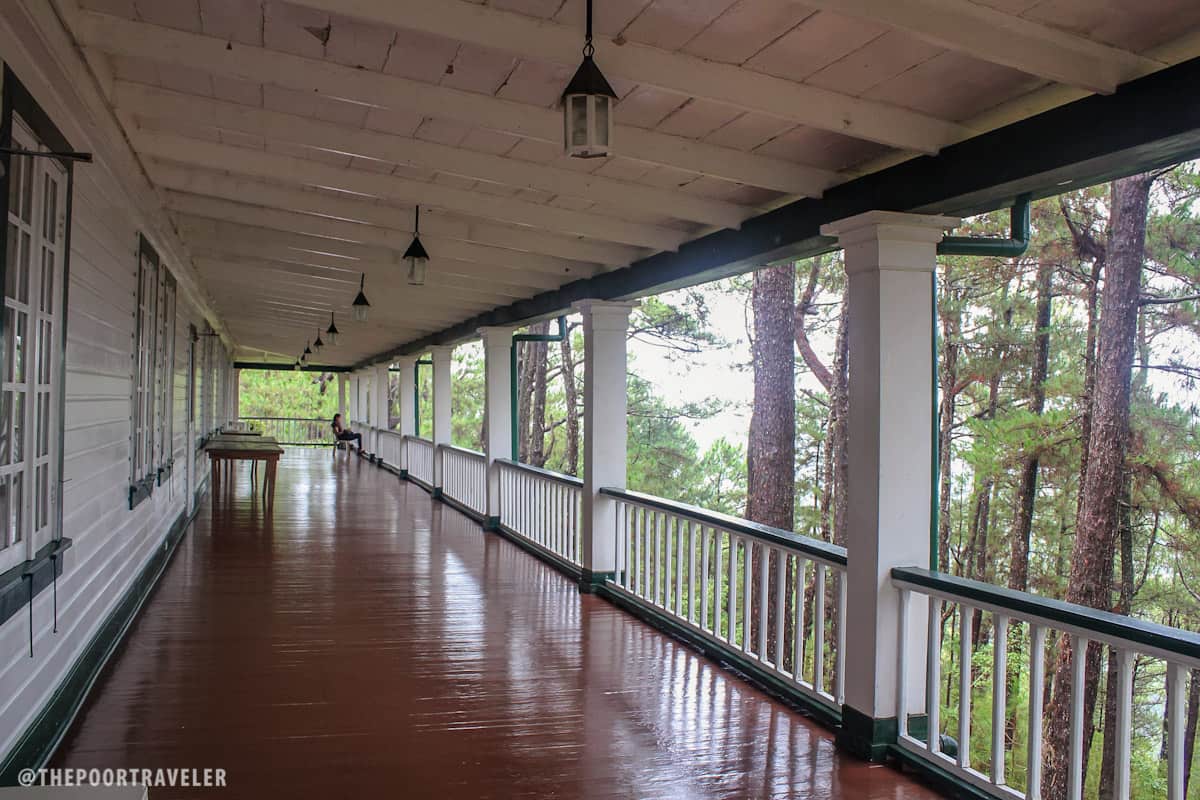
{"x":495,"y":335}
{"x":607,"y":314}
{"x":890,"y":240}
{"x":404,"y":361}
{"x":443,"y":350}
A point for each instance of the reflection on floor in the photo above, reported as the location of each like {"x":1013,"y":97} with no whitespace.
{"x":364,"y":640}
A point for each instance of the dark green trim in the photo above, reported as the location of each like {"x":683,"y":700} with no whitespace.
{"x":550,"y":475}
{"x":42,"y":569}
{"x":937,"y":778}
{"x":491,"y":523}
{"x":1091,"y":140}
{"x":866,"y":737}
{"x":436,"y":492}
{"x":1149,"y":634}
{"x":283,"y":367}
{"x":589,"y":580}
{"x":793,"y":541}
{"x":37,"y":743}
{"x":731,"y":660}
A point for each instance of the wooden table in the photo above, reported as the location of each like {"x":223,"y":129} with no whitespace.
{"x":224,"y":449}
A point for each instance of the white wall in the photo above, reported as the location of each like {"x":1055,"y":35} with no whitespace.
{"x":111,"y":542}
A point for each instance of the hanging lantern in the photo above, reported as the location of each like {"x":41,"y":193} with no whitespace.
{"x":587,"y":106}
{"x":304,"y":356}
{"x":318,"y":344}
{"x":332,"y":331}
{"x":415,"y":255}
{"x":360,"y":304}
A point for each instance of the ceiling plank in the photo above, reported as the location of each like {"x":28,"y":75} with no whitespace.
{"x":992,"y":35}
{"x":339,"y":230}
{"x":294,"y":129}
{"x":434,"y":222}
{"x":208,"y":54}
{"x":688,"y":75}
{"x":274,"y":166}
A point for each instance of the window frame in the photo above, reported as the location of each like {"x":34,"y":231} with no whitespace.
{"x":17,"y":102}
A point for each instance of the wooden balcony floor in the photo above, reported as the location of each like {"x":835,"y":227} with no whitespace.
{"x":367,"y":640}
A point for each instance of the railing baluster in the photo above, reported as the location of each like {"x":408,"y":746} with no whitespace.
{"x":667,"y":519}
{"x":818,"y":626}
{"x":705,"y":564}
{"x":781,"y":583}
{"x":902,"y":664}
{"x":1124,"y":723}
{"x":678,"y":526}
{"x":1176,"y":731}
{"x":691,"y":538}
{"x":839,"y":617}
{"x":747,"y":595}
{"x":966,"y":623}
{"x":1078,"y":674}
{"x":933,"y":681}
{"x":1037,"y":677}
{"x":733,"y":570}
{"x":764,"y":584}
{"x":999,"y":694}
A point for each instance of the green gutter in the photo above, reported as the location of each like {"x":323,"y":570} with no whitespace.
{"x":1014,"y":246}
{"x":512,"y":373}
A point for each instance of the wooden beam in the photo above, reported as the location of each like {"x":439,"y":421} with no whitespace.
{"x":992,"y":35}
{"x":312,"y":237}
{"x":545,"y":40}
{"x":507,"y":241}
{"x":274,"y":126}
{"x":273,"y":166}
{"x":209,"y":54}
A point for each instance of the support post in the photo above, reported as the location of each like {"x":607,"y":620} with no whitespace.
{"x":408,"y":426}
{"x":890,"y":260}
{"x":379,"y":400}
{"x":341,"y":390}
{"x":497,"y":412}
{"x":605,"y":429}
{"x":441,"y":409}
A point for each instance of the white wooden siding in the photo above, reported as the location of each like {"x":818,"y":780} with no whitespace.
{"x":111,"y":542}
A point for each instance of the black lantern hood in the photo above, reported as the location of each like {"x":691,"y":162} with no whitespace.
{"x":416,"y":250}
{"x":589,"y":80}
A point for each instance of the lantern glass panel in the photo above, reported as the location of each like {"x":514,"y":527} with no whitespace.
{"x":579,"y":120}
{"x":601,"y":139}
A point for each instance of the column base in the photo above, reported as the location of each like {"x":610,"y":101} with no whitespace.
{"x":588,"y":580}
{"x":864,"y":736}
{"x":404,"y":474}
{"x":436,"y":493}
{"x":491,"y":523}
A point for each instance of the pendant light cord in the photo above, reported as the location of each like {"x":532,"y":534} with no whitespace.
{"x":588,"y":48}
{"x":417,"y":222}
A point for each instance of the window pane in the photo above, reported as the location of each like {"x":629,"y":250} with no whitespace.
{"x":18,"y":427}
{"x":42,"y":504}
{"x":5,"y":534}
{"x":50,"y":211}
{"x":16,"y":502}
{"x":5,"y":427}
{"x":22,"y":292}
{"x":10,"y":266}
{"x":17,"y":165}
{"x":47,"y":294}
{"x":43,"y":424}
{"x":27,"y":190}
{"x":19,"y":345}
{"x":45,"y":351}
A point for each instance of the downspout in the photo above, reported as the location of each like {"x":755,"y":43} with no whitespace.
{"x":512,"y":374}
{"x":1013,"y":247}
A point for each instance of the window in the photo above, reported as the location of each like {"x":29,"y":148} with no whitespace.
{"x":35,"y":195}
{"x":153,"y":375}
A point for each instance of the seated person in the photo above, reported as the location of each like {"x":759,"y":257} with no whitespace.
{"x":344,"y":434}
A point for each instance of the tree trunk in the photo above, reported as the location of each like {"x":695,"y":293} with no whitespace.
{"x":571,"y":398}
{"x":771,"y":455}
{"x":1099,"y":513}
{"x":840,"y":411}
{"x":1108,"y":749}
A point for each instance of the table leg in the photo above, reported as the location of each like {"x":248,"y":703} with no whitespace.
{"x":215,"y":479}
{"x":272,"y":466}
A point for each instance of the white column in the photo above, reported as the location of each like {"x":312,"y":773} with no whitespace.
{"x":341,"y":390}
{"x":441,"y":408}
{"x":497,"y":411}
{"x":381,"y":396}
{"x":408,"y":423}
{"x":890,"y":260}
{"x":354,"y":376}
{"x":605,"y":325}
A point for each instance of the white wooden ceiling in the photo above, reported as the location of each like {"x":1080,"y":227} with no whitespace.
{"x":290,"y":140}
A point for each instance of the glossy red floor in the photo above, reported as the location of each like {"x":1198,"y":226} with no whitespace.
{"x":367,"y":642}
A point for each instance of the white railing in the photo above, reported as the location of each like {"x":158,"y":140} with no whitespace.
{"x":1028,"y":621}
{"x":763,"y":596}
{"x":464,"y":477}
{"x":419,"y":458}
{"x":543,"y":508}
{"x":388,"y":447}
